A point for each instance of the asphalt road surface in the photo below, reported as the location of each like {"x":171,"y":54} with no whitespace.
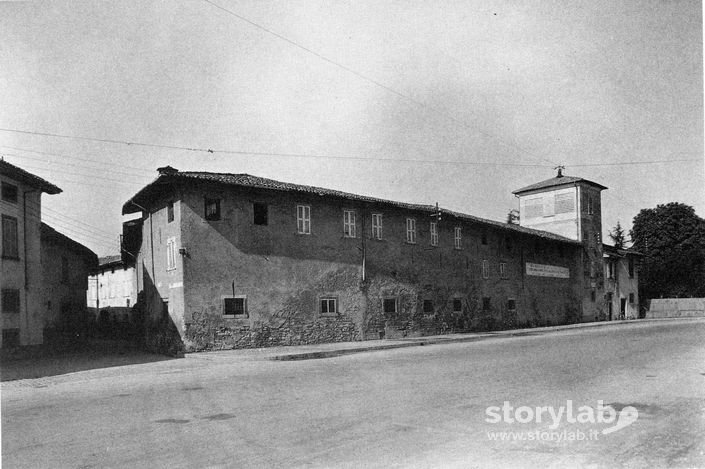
{"x":629,"y":395}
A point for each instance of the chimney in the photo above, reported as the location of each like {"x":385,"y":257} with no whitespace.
{"x":166,"y":170}
{"x":560,"y":171}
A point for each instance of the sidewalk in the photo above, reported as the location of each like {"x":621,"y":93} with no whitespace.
{"x":309,"y":352}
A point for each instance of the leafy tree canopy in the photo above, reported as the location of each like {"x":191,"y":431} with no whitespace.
{"x":672,"y":239}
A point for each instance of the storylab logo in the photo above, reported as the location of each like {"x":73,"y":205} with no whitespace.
{"x":556,"y":416}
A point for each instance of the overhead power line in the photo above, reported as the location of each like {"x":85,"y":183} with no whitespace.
{"x":275,"y":154}
{"x":375,"y":82}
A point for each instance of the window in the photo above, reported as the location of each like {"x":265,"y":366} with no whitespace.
{"x":485,"y":269}
{"x":503,"y":270}
{"x":170,"y":212}
{"x":458,"y":237}
{"x":329,"y":306}
{"x":484,"y":238}
{"x":390,"y":305}
{"x":10,"y":248}
{"x":457,"y":305}
{"x":411,"y":230}
{"x":511,"y":305}
{"x":377,"y":225}
{"x":349,"y":225}
{"x":630,"y":260}
{"x":486,"y":306}
{"x":260,"y":212}
{"x":590,"y":208}
{"x":593,"y":297}
{"x":303,"y":219}
{"x":64,"y":270}
{"x":235,"y":306}
{"x":631,"y":298}
{"x":610,"y":269}
{"x":212,"y":209}
{"x":10,"y":301}
{"x":434,"y":233}
{"x":427,"y":306}
{"x":171,"y":253}
{"x":10,"y":338}
{"x":564,"y":203}
{"x":9,"y":192}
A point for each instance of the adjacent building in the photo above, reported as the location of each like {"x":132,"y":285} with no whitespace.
{"x":42,"y":270}
{"x":621,"y":283}
{"x":234,"y":260}
{"x":112,"y":288}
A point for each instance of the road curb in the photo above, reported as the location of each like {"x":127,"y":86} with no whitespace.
{"x":449,"y":339}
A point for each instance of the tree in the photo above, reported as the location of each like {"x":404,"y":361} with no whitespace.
{"x":513,"y":217}
{"x":617,"y":235}
{"x":672,"y":239}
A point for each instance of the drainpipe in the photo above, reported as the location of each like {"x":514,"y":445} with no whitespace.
{"x":26,"y":264}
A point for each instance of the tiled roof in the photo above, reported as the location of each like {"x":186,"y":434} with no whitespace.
{"x":19,"y":174}
{"x":169,"y":175}
{"x":556,"y":181}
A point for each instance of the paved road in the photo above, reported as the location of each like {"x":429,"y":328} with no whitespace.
{"x":411,"y":407}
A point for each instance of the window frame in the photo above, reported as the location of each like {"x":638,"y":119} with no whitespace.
{"x":170,"y":211}
{"x":377,"y":226}
{"x":503,"y":270}
{"x":171,"y":253}
{"x":457,"y":301}
{"x":303,"y":219}
{"x":243,"y":298}
{"x":387,"y":299}
{"x":485,"y":269}
{"x":434,"y":233}
{"x":5,"y":189}
{"x":216,"y":215}
{"x":327,"y":300}
{"x":458,"y":237}
{"x":15,"y":236}
{"x":411,"y":230}
{"x":509,"y":303}
{"x":5,"y":295}
{"x":257,"y":208}
{"x":349,"y":223}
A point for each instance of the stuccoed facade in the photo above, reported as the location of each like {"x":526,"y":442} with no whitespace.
{"x":284,"y":264}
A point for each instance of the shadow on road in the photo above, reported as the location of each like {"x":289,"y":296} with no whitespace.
{"x":103,"y":354}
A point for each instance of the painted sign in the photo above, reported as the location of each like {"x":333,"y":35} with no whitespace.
{"x":543,"y":270}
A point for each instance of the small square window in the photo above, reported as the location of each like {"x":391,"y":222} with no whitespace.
{"x":457,"y":305}
{"x":390,"y":305}
{"x":260,"y":213}
{"x":212,"y":209}
{"x":511,"y":305}
{"x":486,"y":303}
{"x":170,"y":212}
{"x":10,"y":301}
{"x":10,"y":338}
{"x":427,"y":306}
{"x":329,"y":306}
{"x":235,"y":306}
{"x":9,"y":192}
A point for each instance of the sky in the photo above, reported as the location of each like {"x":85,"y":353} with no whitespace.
{"x":451,"y":102}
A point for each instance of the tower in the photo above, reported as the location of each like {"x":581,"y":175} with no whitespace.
{"x":570,"y":207}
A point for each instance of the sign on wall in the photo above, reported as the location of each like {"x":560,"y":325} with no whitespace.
{"x":543,"y":270}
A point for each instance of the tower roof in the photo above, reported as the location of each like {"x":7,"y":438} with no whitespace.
{"x":559,"y":180}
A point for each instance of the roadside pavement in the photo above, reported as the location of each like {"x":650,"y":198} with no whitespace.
{"x":44,"y":371}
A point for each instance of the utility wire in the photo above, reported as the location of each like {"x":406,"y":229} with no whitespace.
{"x":293,"y":155}
{"x":374,"y":82}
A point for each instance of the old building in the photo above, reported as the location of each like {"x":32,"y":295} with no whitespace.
{"x":233,"y":260}
{"x":32,"y":263}
{"x":65,"y":268}
{"x":112,"y":288}
{"x":571,"y":207}
{"x":621,"y":283}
